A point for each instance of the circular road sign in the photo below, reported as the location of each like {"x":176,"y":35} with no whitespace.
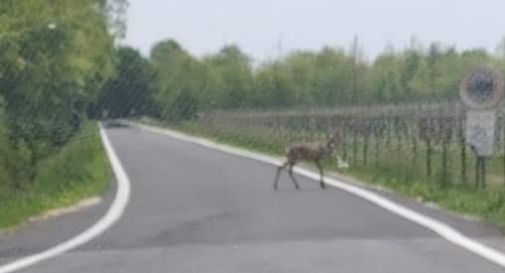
{"x":482,"y":88}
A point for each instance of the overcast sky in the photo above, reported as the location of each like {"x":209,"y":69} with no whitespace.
{"x":263,"y":28}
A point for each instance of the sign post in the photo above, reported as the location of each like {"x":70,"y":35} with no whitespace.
{"x":481,"y":91}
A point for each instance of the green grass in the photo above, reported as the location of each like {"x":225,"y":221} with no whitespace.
{"x":79,"y":170}
{"x":396,"y":171}
{"x":488,"y":204}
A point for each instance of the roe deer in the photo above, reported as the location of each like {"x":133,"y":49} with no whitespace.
{"x":310,"y":151}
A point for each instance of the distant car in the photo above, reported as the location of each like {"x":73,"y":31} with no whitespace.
{"x":115,"y":123}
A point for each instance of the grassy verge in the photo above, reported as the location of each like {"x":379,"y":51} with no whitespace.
{"x":79,"y":170}
{"x":395,"y":172}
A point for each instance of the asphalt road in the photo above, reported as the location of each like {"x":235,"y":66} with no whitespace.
{"x":193,"y":209}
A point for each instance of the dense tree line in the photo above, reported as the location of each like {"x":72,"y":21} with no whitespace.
{"x":54,"y":57}
{"x":183,"y":85}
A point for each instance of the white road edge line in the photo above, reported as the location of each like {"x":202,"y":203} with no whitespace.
{"x":113,"y":214}
{"x":445,"y":231}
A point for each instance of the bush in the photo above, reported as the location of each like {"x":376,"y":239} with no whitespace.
{"x":78,"y":170}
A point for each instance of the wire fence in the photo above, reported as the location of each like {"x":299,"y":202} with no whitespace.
{"x":412,"y":142}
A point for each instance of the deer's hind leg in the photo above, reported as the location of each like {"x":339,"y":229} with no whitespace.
{"x":322,"y":184}
{"x":279,"y":169}
{"x":292,"y":176}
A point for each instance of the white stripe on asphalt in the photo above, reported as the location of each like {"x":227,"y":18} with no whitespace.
{"x":445,"y":231}
{"x":113,"y":214}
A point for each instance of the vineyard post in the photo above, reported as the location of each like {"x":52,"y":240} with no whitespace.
{"x":462,"y":143}
{"x":344,"y":138}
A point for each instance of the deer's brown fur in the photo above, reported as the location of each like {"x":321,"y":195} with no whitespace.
{"x":309,"y":151}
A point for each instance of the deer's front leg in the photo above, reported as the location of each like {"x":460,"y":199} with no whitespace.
{"x":318,"y":164}
{"x":279,"y":169}
{"x":292,"y":177}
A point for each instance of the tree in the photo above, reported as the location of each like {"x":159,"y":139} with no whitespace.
{"x":274,"y":87}
{"x":387,"y":78}
{"x":335,"y":80}
{"x":179,"y":78}
{"x":54,"y":56}
{"x":301,"y":68}
{"x":131,"y":91}
{"x":232,"y":68}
